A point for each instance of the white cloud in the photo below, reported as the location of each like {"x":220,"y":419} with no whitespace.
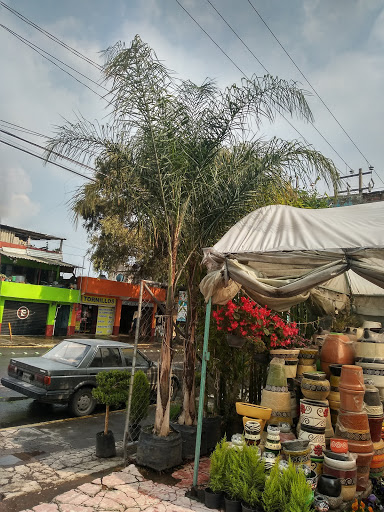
{"x":15,"y":202}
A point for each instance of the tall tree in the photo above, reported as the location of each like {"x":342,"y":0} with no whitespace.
{"x":177,"y":162}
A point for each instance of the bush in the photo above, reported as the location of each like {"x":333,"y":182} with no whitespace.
{"x":140,"y":398}
{"x":218,"y":468}
{"x":252,"y":478}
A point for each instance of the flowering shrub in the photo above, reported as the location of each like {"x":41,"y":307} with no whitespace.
{"x":266,"y":329}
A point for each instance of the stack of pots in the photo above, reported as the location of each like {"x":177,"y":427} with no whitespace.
{"x":374,"y":409}
{"x":312,"y":424}
{"x":370,"y":356}
{"x":337,"y":349}
{"x":298,"y":452}
{"x":272,"y":443}
{"x":339,"y":463}
{"x":252,"y":433}
{"x":276,"y":395}
{"x":334,"y":395}
{"x":352,"y":421}
{"x":307,"y":360}
{"x":290,"y":357}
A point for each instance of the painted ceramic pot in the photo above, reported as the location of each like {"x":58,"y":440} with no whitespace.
{"x":334,"y":503}
{"x":344,"y":465}
{"x":302,"y":368}
{"x":375,"y":372}
{"x":354,"y":422}
{"x":297,"y":451}
{"x":372,"y":396}
{"x":320,"y":503}
{"x":261,"y":422}
{"x":253,"y":411}
{"x":312,"y":479}
{"x":347,"y":480}
{"x":374,"y":411}
{"x":282,"y":353}
{"x":313,"y":413}
{"x":280,"y":403}
{"x":308,"y":356}
{"x":252,"y":433}
{"x":352,"y":378}
{"x":317,"y":465}
{"x":337,"y":348}
{"x":329,"y":485}
{"x":315,"y":385}
{"x":290,"y":368}
{"x":339,"y":445}
{"x":351,"y":400}
{"x":375,"y":426}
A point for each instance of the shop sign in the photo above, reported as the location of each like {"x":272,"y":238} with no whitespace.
{"x":105,"y":320}
{"x":22,"y":313}
{"x":93,"y":300}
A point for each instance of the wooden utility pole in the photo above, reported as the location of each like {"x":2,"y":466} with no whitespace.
{"x":360,"y":175}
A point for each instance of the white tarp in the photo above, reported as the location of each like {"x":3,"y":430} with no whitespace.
{"x":279,"y":253}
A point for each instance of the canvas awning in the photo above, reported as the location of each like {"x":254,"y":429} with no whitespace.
{"x":278,"y":254}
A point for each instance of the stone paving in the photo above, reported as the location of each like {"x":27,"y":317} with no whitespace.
{"x":127,"y":490}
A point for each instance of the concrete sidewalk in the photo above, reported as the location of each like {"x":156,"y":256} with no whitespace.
{"x":52,"y":467}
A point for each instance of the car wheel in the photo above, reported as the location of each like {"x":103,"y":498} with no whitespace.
{"x":175,"y":386}
{"x":82,"y":402}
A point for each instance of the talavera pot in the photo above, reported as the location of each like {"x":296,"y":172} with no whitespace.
{"x":308,"y":356}
{"x":315,"y":385}
{"x":313,"y":413}
{"x":337,"y":348}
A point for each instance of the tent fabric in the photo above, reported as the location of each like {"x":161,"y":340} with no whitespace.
{"x":279,"y":253}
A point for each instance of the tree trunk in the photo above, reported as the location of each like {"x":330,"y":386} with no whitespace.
{"x":188,"y":415}
{"x":106,"y":424}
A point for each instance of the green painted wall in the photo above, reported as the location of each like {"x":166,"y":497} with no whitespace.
{"x":51,"y":314}
{"x":33,"y":292}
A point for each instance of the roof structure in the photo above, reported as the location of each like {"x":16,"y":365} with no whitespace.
{"x":27,"y":257}
{"x":34,"y":235}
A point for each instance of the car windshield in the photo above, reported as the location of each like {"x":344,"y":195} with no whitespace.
{"x":68,"y":352}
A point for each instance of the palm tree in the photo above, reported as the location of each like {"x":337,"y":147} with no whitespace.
{"x":180,"y":161}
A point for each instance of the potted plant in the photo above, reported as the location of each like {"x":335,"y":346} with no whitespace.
{"x":217,"y":475}
{"x":112,"y":389}
{"x":233,"y":480}
{"x":139,"y":404}
{"x":252,"y":480}
{"x":247,"y":320}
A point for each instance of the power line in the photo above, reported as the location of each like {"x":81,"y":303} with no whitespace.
{"x":53,"y":62}
{"x":53,"y":152}
{"x":23,"y":129}
{"x":51,"y":36}
{"x":47,"y":161}
{"x":35,"y":47}
{"x":306,"y":79}
{"x":316,"y":129}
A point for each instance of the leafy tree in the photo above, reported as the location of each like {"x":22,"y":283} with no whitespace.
{"x":176,"y":166}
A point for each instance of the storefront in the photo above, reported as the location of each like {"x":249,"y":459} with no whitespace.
{"x":95,"y":315}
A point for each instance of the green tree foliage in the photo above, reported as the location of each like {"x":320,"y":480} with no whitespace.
{"x":140,"y":397}
{"x":112,"y":389}
{"x":176,"y":166}
{"x":252,"y":476}
{"x":218,"y":467}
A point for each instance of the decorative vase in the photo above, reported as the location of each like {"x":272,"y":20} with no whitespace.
{"x":298,"y":451}
{"x":320,"y":503}
{"x":252,"y":433}
{"x":313,"y":413}
{"x":329,"y":485}
{"x":337,"y":348}
{"x":276,"y":395}
{"x":352,"y":378}
{"x":315,"y":385}
{"x":235,"y":341}
{"x":339,"y":445}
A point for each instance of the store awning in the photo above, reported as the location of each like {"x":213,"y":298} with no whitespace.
{"x":278,"y":253}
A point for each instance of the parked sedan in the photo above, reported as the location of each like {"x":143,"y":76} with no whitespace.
{"x":67,"y":373}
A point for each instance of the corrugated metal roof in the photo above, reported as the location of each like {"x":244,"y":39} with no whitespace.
{"x":48,"y":261}
{"x":34,"y":235}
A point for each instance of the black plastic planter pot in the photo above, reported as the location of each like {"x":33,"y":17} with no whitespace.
{"x":159,"y":453}
{"x":188,"y":435}
{"x":232,"y":505}
{"x":213,"y":499}
{"x":105,"y":444}
{"x":246,"y":508}
{"x":212,"y":427}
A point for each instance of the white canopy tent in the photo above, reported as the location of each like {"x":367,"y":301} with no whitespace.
{"x":280,"y":254}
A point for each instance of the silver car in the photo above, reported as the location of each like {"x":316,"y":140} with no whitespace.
{"x":67,"y":372}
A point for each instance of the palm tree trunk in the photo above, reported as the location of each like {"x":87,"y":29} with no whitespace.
{"x":106,"y":424}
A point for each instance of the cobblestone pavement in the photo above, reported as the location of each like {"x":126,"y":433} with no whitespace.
{"x":127,"y":490}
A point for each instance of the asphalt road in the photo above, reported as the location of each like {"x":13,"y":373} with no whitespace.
{"x":24,"y":411}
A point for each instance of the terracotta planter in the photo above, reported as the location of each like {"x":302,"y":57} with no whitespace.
{"x":351,"y":400}
{"x":359,"y":446}
{"x":337,"y":348}
{"x":375,"y":426}
{"x":339,"y":445}
{"x":353,"y":421}
{"x":352,"y":378}
{"x":315,"y":385}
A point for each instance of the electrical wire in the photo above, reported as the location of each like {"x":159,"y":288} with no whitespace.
{"x":51,"y":36}
{"x":47,"y":161}
{"x":53,"y":62}
{"x":315,"y":128}
{"x":34,"y":46}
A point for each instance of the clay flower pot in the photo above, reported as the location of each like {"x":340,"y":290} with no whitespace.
{"x":329,"y":485}
{"x":308,"y":356}
{"x":353,"y":421}
{"x":343,"y":465}
{"x":315,"y":385}
{"x":337,"y":348}
{"x":339,"y":445}
{"x":352,"y":378}
{"x":347,"y":480}
{"x":359,"y":446}
{"x":253,"y":411}
{"x":313,"y":413}
{"x":351,"y":400}
{"x":298,"y":451}
{"x":375,"y":426}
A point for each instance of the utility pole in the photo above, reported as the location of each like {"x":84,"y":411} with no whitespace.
{"x":360,"y":175}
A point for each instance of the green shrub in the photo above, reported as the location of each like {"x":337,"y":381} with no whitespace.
{"x":140,"y":397}
{"x":234,"y":473}
{"x":218,"y":468}
{"x":174,"y":412}
{"x":271,"y":496}
{"x":252,"y":478}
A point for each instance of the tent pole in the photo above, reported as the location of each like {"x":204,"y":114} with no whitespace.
{"x":205,"y":358}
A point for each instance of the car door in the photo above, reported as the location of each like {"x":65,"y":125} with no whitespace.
{"x":142,"y":363}
{"x":105,"y":359}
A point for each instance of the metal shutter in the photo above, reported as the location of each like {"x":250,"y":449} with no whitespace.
{"x":26,"y":318}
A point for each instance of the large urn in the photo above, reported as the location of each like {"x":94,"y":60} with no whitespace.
{"x":337,"y":349}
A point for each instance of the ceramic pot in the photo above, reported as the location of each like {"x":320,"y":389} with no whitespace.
{"x":261,"y":422}
{"x":312,"y":480}
{"x":253,"y":411}
{"x":364,"y":459}
{"x":347,"y":480}
{"x":375,"y":426}
{"x":319,"y":336}
{"x":334,"y":503}
{"x":372,"y":396}
{"x":352,"y":378}
{"x":359,"y":446}
{"x":351,"y":333}
{"x":351,"y":400}
{"x":282,"y":353}
{"x":298,"y":451}
{"x":329,"y":432}
{"x":374,"y":411}
{"x":329,"y":485}
{"x":290,"y":368}
{"x":378,"y":447}
{"x":315,"y":385}
{"x":337,"y":456}
{"x":308,"y":356}
{"x":252,"y":433}
{"x":320,"y":503}
{"x":313,"y":413}
{"x":337,"y":348}
{"x":302,"y":368}
{"x":335,"y":369}
{"x":343,"y":465}
{"x":317,"y":465}
{"x":375,"y":372}
{"x":339,"y":445}
{"x":354,"y":422}
{"x":280,"y":403}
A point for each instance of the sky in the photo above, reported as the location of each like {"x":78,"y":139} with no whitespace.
{"x":337,"y":45}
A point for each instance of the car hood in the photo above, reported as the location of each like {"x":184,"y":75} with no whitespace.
{"x":34,"y":364}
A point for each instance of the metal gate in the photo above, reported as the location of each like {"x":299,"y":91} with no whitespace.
{"x":26,"y":318}
{"x":62,"y":318}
